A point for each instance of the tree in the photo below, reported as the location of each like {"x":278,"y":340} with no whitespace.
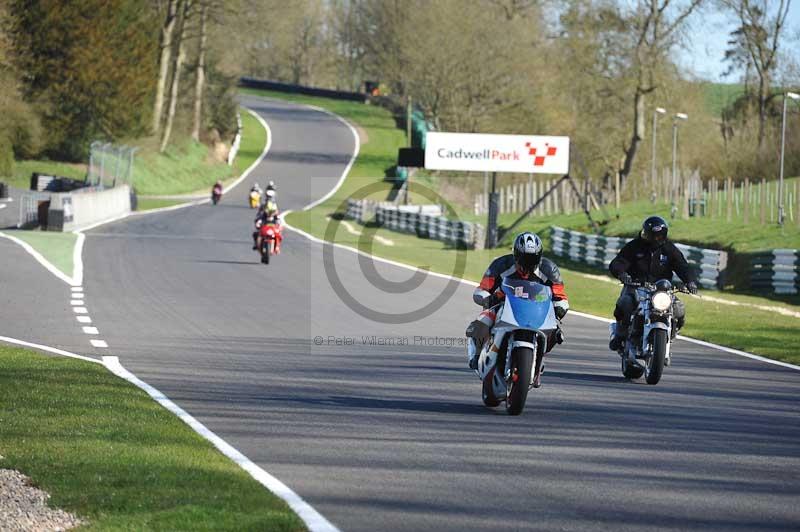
{"x":87,"y":68}
{"x":184,"y":7}
{"x":170,"y":18}
{"x":200,"y":72}
{"x":653,"y":33}
{"x":755,"y":45}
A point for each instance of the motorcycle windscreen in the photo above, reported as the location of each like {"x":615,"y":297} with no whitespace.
{"x":528,"y":304}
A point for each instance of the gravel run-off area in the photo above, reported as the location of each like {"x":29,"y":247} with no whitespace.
{"x":24,"y":507}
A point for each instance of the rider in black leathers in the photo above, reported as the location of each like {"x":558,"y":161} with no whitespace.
{"x":647,"y":258}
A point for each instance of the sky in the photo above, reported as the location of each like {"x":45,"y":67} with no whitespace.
{"x":708,"y":36}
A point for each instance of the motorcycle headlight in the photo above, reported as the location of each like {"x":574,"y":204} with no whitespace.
{"x":661,"y":301}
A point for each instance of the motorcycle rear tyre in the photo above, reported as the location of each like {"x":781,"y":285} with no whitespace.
{"x":522,"y":365}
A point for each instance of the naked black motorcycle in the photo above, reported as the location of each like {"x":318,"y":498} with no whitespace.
{"x":646,"y":350}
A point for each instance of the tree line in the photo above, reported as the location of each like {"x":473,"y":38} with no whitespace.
{"x":591,"y":69}
{"x":76,"y":71}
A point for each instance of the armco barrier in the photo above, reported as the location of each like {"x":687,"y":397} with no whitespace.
{"x":425,"y":221}
{"x":777,"y":271}
{"x":596,"y":250}
{"x":74,"y":210}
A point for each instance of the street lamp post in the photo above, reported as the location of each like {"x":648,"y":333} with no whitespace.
{"x":658,"y":111}
{"x":678,"y":116}
{"x":793,"y":96}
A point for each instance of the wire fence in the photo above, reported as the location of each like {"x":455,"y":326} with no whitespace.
{"x":110,"y":165}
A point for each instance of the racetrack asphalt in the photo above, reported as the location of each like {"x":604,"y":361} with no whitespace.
{"x":394,"y":436}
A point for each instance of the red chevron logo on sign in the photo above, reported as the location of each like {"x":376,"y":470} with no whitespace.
{"x":538,"y":160}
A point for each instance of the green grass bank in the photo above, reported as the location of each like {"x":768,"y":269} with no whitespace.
{"x":186,"y":167}
{"x":107,"y":452}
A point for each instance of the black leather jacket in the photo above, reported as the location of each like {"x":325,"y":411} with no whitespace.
{"x":648,"y":264}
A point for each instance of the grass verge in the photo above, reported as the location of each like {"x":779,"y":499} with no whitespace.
{"x":716,"y":233}
{"x":148,"y":204}
{"x":753,"y":330}
{"x":57,"y":248}
{"x":107,"y":452}
{"x":21,"y":177}
{"x":186,"y":167}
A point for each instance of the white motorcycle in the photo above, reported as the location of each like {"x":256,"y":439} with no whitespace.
{"x":512,"y":355}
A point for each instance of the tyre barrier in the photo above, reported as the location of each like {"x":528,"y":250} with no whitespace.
{"x":710,"y":265}
{"x":424,"y":221}
{"x":776,"y":271}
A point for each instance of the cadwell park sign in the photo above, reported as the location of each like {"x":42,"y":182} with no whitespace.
{"x":476,"y":152}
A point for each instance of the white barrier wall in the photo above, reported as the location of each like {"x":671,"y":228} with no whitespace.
{"x":73,"y":210}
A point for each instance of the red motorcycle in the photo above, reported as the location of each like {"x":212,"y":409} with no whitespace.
{"x":216,"y":193}
{"x":270,"y":238}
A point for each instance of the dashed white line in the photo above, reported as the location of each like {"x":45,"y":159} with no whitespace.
{"x":76,"y":302}
{"x":77,"y":289}
{"x":98,"y":343}
{"x":84,"y":319}
{"x":91,"y":330}
{"x":2,"y":206}
{"x":80,"y":310}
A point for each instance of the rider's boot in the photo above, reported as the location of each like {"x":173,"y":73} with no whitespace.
{"x":618,"y":340}
{"x":476,"y":333}
{"x":472,"y":353}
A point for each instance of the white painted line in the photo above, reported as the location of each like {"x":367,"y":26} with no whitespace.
{"x":48,"y":349}
{"x":84,"y":319}
{"x":98,"y":343}
{"x":353,"y":231}
{"x":313,"y":519}
{"x":91,"y":330}
{"x":77,"y":295}
{"x":350,"y":228}
{"x":38,"y":256}
{"x":77,"y":289}
{"x":2,"y":205}
{"x":76,"y":302}
{"x":77,"y":260}
{"x":80,"y":310}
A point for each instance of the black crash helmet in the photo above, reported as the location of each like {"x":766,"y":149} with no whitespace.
{"x":654,"y":230}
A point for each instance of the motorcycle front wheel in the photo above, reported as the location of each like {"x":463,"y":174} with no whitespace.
{"x":520,"y":381}
{"x":655,"y":362}
{"x":265,"y":253}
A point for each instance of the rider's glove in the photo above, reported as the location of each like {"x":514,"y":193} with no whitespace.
{"x":692,"y":288}
{"x":560,"y":312}
{"x":625,"y":278}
